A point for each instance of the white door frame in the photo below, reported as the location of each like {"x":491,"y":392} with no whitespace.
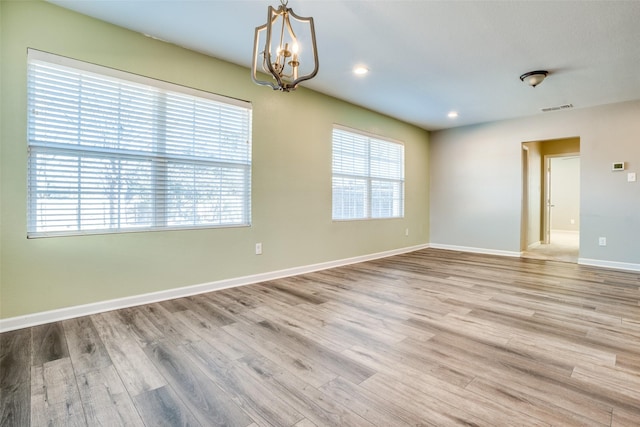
{"x":524,"y":222}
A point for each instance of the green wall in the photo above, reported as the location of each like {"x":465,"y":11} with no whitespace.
{"x":291,"y":178}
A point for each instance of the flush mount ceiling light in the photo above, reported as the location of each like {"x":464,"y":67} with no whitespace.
{"x":534,"y":78}
{"x":285,"y":48}
{"x":360,"y":70}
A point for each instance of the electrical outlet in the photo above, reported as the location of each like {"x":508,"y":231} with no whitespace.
{"x":406,"y":232}
{"x":258,"y":248}
{"x":602,"y":241}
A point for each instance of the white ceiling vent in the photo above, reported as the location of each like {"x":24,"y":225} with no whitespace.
{"x":559,"y":107}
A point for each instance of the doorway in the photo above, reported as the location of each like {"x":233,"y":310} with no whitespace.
{"x":551,"y":200}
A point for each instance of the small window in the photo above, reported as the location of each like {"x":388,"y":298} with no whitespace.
{"x":113,"y":152}
{"x":368,"y":176}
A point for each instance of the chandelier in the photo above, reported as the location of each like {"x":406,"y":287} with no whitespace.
{"x":288,"y":55}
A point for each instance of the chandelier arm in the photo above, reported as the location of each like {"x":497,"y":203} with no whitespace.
{"x":298,"y":17}
{"x":289,"y":27}
{"x":254,"y":69}
{"x":284,"y":21}
{"x":264,"y":62}
{"x":295,"y":83}
{"x":267,"y":51}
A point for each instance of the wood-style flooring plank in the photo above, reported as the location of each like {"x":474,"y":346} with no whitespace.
{"x":15,"y":357}
{"x":304,"y":398}
{"x":206,"y":309}
{"x":161,"y":407}
{"x":104,"y":397}
{"x":305,"y":423}
{"x":298,"y":364}
{"x":432,"y":411}
{"x":15,"y":378}
{"x":86,"y":349}
{"x":529,"y":405}
{"x":566,"y":350}
{"x":133,"y":365}
{"x":375,"y":409}
{"x":622,"y":418}
{"x":305,"y":325}
{"x":48,"y":343}
{"x":624,"y":384}
{"x":253,"y":396}
{"x":544,"y":379}
{"x":210,"y":405}
{"x":316,"y":353}
{"x":15,"y":405}
{"x":231,"y":347}
{"x":55,"y":400}
{"x":164,"y":322}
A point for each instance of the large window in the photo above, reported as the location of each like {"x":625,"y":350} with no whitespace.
{"x":111,"y":152}
{"x":368,"y":176}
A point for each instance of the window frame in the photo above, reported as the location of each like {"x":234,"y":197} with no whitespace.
{"x":158,"y":187}
{"x":367,"y":177}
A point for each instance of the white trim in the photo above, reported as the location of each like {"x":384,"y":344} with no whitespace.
{"x":475,"y":250}
{"x":583,"y":261}
{"x":40,"y":318}
{"x":533,"y":245}
{"x":367,"y":134}
{"x":609,"y":264}
{"x":103,"y":71}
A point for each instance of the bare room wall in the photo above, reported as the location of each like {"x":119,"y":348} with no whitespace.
{"x":476,"y":182}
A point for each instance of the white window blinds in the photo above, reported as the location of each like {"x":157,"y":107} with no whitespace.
{"x":113,"y":152}
{"x":368,"y":176}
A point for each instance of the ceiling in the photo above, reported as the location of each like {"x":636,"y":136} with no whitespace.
{"x":426,"y":58}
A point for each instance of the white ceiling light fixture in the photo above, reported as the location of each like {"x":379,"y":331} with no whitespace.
{"x":360,"y":70}
{"x":290,"y":54}
{"x":452,"y":114}
{"x":534,"y":78}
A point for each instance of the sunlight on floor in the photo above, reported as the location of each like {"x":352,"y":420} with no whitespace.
{"x":564,"y":246}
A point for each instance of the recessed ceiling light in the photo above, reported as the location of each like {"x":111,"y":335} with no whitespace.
{"x":360,"y":70}
{"x":452,"y":114}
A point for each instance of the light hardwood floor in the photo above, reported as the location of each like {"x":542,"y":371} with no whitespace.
{"x":429,"y":338}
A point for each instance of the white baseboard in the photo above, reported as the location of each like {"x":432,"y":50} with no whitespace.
{"x":609,"y":264}
{"x":583,"y":261}
{"x":19,"y":322}
{"x":534,"y":245}
{"x":474,"y":250}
